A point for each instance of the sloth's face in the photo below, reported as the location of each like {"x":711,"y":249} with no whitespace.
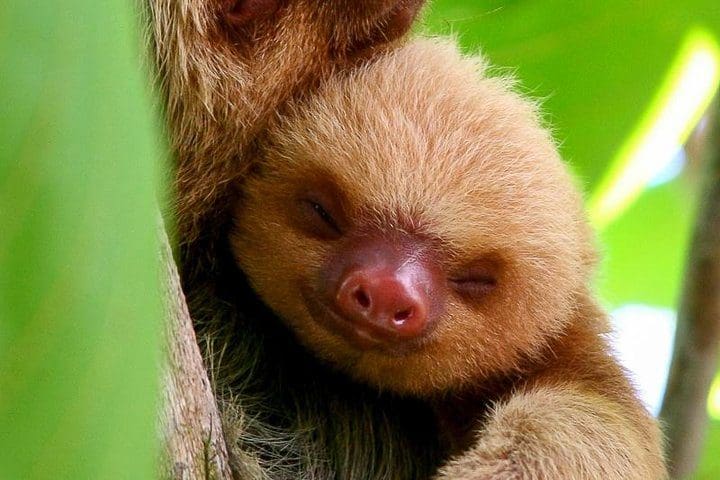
{"x":415,"y":244}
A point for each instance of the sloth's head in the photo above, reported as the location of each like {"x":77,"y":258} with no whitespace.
{"x":413,"y":224}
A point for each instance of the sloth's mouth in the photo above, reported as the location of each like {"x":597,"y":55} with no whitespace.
{"x":359,"y":337}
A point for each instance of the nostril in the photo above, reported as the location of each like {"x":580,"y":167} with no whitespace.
{"x":362,"y":298}
{"x":401,"y":316}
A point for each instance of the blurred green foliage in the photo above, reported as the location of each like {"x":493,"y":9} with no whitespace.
{"x":710,"y":466}
{"x":79,"y":298}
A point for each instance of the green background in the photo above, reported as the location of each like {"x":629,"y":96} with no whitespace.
{"x":79,"y":303}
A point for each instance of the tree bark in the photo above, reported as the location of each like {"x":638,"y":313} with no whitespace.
{"x":194,"y":446}
{"x":697,"y":340}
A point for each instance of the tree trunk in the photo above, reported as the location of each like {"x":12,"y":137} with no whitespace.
{"x":194,"y":446}
{"x":697,"y":341}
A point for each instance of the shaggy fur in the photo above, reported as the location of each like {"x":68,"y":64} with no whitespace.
{"x":421,"y":143}
{"x":222,"y":78}
{"x":224,"y":69}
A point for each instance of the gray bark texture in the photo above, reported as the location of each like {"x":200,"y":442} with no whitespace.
{"x":697,"y":341}
{"x":194,"y":447}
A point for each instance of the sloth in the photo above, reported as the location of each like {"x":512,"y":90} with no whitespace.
{"x":306,"y":398}
{"x":413,"y":242}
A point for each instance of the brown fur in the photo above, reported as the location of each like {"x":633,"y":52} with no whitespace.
{"x":421,"y":142}
{"x":221,"y":80}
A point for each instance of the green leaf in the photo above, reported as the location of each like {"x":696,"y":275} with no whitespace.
{"x":79,"y":295}
{"x":710,"y":461}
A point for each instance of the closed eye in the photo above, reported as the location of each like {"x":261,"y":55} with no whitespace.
{"x":318,"y":221}
{"x":478,"y":278}
{"x":474,"y":286}
{"x":324,"y":215}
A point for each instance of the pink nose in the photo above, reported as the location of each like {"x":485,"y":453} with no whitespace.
{"x":385,"y":302}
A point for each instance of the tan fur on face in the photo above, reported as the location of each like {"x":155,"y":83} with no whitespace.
{"x":422,"y":140}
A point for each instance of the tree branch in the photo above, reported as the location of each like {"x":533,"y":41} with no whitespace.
{"x":697,"y":341}
{"x":190,"y":424}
